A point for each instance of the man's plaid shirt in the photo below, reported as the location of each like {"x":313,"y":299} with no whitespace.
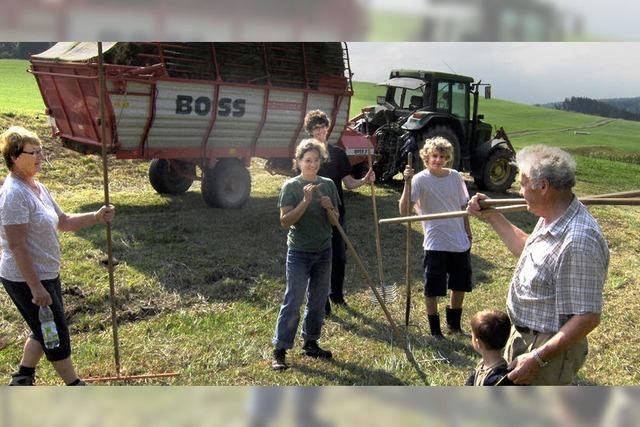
{"x":561,"y":272}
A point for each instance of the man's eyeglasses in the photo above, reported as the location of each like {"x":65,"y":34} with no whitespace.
{"x":33,"y":153}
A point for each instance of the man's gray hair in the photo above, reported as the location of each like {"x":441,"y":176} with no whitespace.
{"x":540,"y":162}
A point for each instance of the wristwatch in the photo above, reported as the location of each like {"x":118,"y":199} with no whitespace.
{"x":539,"y":360}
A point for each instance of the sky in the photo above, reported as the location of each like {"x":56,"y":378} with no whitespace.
{"x":528,"y":73}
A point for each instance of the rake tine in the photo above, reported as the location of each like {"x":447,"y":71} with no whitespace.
{"x":401,"y":339}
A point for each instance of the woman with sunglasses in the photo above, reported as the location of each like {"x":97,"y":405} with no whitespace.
{"x":30,"y":260}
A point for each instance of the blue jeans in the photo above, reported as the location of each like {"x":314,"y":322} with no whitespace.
{"x":310,"y":273}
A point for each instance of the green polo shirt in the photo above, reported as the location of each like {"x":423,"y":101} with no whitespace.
{"x":312,"y":232}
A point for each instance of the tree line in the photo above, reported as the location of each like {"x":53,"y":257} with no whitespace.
{"x":22,"y":50}
{"x":597,"y":108}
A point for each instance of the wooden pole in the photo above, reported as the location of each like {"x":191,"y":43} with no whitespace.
{"x":407,"y":268}
{"x":105,"y":177}
{"x":334,"y":221}
{"x":445,"y":215}
{"x":631,"y":201}
{"x":622,"y":194}
{"x":102,"y":90}
{"x":488,"y":203}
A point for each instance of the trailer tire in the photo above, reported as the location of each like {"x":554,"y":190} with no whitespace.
{"x":227,"y":185}
{"x":170,"y":176}
{"x":448,"y":134}
{"x":498,"y":173}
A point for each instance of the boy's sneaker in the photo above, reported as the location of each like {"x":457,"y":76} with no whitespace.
{"x":19,"y":379}
{"x":278,"y":363}
{"x":312,"y":349}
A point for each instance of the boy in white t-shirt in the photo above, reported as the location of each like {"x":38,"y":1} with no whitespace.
{"x":447,"y":242}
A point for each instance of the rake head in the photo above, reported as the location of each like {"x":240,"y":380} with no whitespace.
{"x":388,"y":293}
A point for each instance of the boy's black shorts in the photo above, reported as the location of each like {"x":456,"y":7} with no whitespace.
{"x":20,"y":294}
{"x":444,"y":270}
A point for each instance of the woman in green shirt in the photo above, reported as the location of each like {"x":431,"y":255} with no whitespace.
{"x":304,"y":202}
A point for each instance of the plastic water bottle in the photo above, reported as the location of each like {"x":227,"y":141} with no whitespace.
{"x":48,"y":327}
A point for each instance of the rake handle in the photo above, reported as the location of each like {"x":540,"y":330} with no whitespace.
{"x":376,"y":225}
{"x":105,"y":177}
{"x":407,"y":271}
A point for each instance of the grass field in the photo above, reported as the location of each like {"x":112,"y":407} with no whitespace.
{"x":18,"y":90}
{"x":199,"y":288}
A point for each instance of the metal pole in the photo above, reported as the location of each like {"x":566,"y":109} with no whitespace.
{"x":407,"y":269}
{"x":105,"y":177}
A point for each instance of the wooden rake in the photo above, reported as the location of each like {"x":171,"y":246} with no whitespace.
{"x":112,"y":292}
{"x":407,"y":257}
{"x":394,"y":328}
{"x":388,"y":292}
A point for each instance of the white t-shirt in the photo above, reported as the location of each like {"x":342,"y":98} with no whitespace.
{"x":437,"y":194}
{"x":19,"y":204}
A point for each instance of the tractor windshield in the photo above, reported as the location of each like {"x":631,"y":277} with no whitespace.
{"x":408,"y":98}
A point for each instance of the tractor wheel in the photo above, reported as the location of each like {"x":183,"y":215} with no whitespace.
{"x":171,"y":176}
{"x":450,"y":136}
{"x":498,"y":173}
{"x":227,"y":185}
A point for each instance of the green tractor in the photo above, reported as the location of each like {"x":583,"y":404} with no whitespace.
{"x":424,"y":104}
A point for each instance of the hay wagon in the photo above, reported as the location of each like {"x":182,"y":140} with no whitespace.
{"x":199,"y":106}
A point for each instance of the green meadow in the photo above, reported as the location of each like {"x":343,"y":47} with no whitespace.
{"x":198,"y":289}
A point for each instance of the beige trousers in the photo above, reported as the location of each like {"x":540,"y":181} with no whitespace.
{"x":561,"y":370}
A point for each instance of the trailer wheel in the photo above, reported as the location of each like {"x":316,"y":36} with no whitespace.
{"x":227,"y":185}
{"x":498,"y":172}
{"x":171,"y":176}
{"x":450,"y":136}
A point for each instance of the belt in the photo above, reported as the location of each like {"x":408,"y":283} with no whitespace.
{"x":525,"y":330}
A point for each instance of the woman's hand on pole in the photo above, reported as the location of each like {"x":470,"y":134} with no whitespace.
{"x":325,"y":202}
{"x":105,"y":214}
{"x":308,"y":192}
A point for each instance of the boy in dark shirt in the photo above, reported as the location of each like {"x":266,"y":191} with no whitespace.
{"x":489,"y":334}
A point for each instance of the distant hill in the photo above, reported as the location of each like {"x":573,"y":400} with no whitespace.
{"x":618,"y":108}
{"x":629,"y":104}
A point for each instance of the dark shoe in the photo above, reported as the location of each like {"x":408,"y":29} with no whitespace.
{"x":312,"y":349}
{"x":279,"y":363}
{"x":454,"y":315}
{"x":18,"y":379}
{"x":339,"y":301}
{"x":434,"y":325}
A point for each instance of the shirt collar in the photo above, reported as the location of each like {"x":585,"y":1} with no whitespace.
{"x":558,"y":226}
